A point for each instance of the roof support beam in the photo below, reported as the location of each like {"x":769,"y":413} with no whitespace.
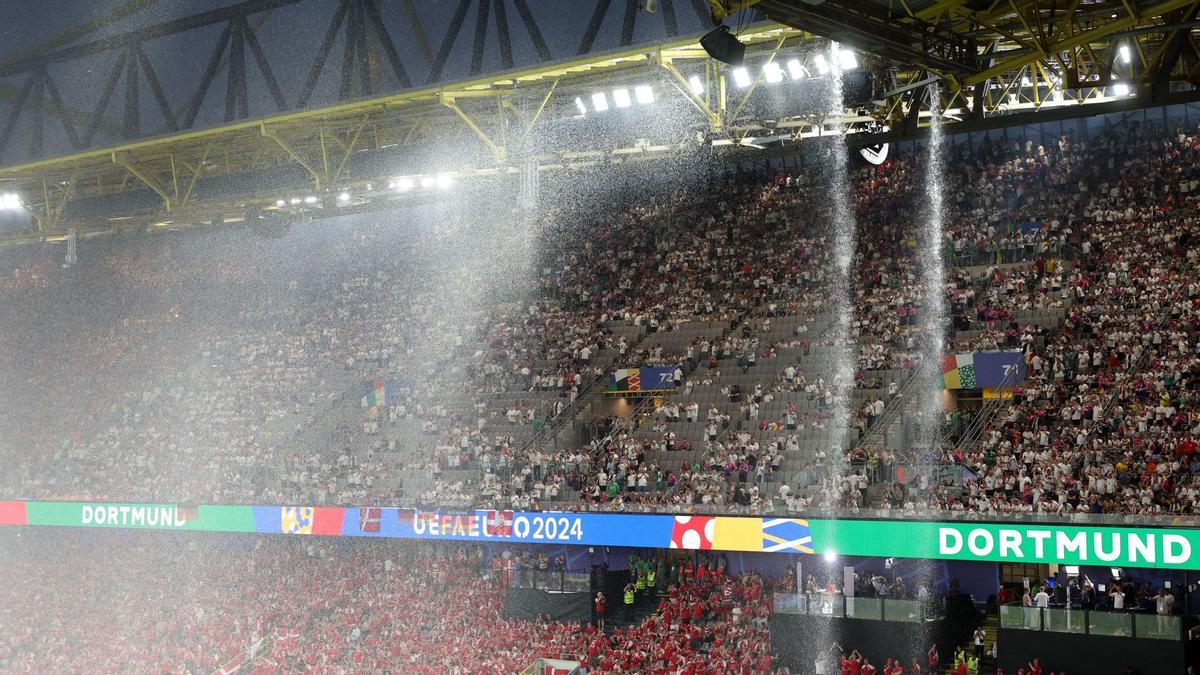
{"x":151,"y":181}
{"x":196,"y":171}
{"x":498,"y":151}
{"x":1079,"y":39}
{"x":938,"y":8}
{"x":350,"y":148}
{"x":685,"y":87}
{"x":537,"y":114}
{"x":291,"y":152}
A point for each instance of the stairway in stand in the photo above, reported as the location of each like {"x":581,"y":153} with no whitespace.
{"x":991,"y":624}
{"x":644,"y":607}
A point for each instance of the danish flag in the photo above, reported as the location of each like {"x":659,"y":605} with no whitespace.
{"x":498,"y":524}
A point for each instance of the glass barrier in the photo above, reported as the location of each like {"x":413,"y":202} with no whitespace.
{"x":551,"y":580}
{"x":864,"y":608}
{"x":1158,"y":627}
{"x":902,"y":610}
{"x":791,"y":603}
{"x":826,"y":604}
{"x":1117,"y":624}
{"x":1020,"y":618}
{"x":1064,"y":620}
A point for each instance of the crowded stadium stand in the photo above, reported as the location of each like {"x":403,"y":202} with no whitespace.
{"x":350,"y":380}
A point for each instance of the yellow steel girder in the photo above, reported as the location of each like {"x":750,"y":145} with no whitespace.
{"x":1079,"y":39}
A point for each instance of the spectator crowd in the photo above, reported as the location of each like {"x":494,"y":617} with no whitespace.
{"x":225,"y":367}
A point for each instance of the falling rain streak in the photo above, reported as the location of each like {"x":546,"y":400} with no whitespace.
{"x":933,"y":274}
{"x":843,"y":233}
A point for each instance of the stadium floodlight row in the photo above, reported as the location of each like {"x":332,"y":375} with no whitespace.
{"x":1153,"y":547}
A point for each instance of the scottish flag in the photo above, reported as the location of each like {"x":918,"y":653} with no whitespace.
{"x":786,"y":534}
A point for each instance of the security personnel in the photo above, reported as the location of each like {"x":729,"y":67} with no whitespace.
{"x":650,"y":586}
{"x":629,"y":599}
{"x":640,"y":584}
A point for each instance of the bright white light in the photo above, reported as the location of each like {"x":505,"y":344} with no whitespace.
{"x":830,"y":556}
{"x":295,"y":200}
{"x":822,"y":64}
{"x":10,"y":202}
{"x":1120,"y":89}
{"x":697,"y":84}
{"x":444,"y":180}
{"x":847,"y":59}
{"x":310,"y":200}
{"x":1126,"y":56}
{"x":599,"y":102}
{"x":279,"y":202}
{"x":403,"y":184}
{"x":741,"y":77}
{"x":579,"y":104}
{"x":644,"y":94}
{"x":772,"y":73}
{"x":344,"y":197}
{"x":621,"y":98}
{"x":1025,"y":81}
{"x":795,"y":69}
{"x":428,"y":182}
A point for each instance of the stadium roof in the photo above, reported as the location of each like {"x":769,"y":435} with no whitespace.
{"x":1000,"y":62}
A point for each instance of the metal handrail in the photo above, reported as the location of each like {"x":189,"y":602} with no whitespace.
{"x":893,"y":406}
{"x":567,"y":413}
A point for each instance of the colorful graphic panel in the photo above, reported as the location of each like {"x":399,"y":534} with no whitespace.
{"x":630,"y":380}
{"x":1165,"y":547}
{"x":980,"y":370}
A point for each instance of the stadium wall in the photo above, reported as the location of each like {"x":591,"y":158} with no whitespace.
{"x":1091,"y":654}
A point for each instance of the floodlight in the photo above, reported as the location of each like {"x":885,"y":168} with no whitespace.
{"x":444,"y":180}
{"x":830,"y":556}
{"x":599,"y":102}
{"x":822,"y":64}
{"x":1126,"y":55}
{"x":795,"y":69}
{"x":310,"y":200}
{"x":1120,"y":89}
{"x":697,"y":85}
{"x":847,"y":59}
{"x":403,"y":184}
{"x":579,"y":104}
{"x":279,"y":202}
{"x":10,"y":201}
{"x":428,"y":182}
{"x":644,"y":94}
{"x":344,"y":197}
{"x":621,"y":98}
{"x":772,"y":73}
{"x":741,"y":77}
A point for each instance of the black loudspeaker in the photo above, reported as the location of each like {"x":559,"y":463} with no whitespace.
{"x":723,"y":46}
